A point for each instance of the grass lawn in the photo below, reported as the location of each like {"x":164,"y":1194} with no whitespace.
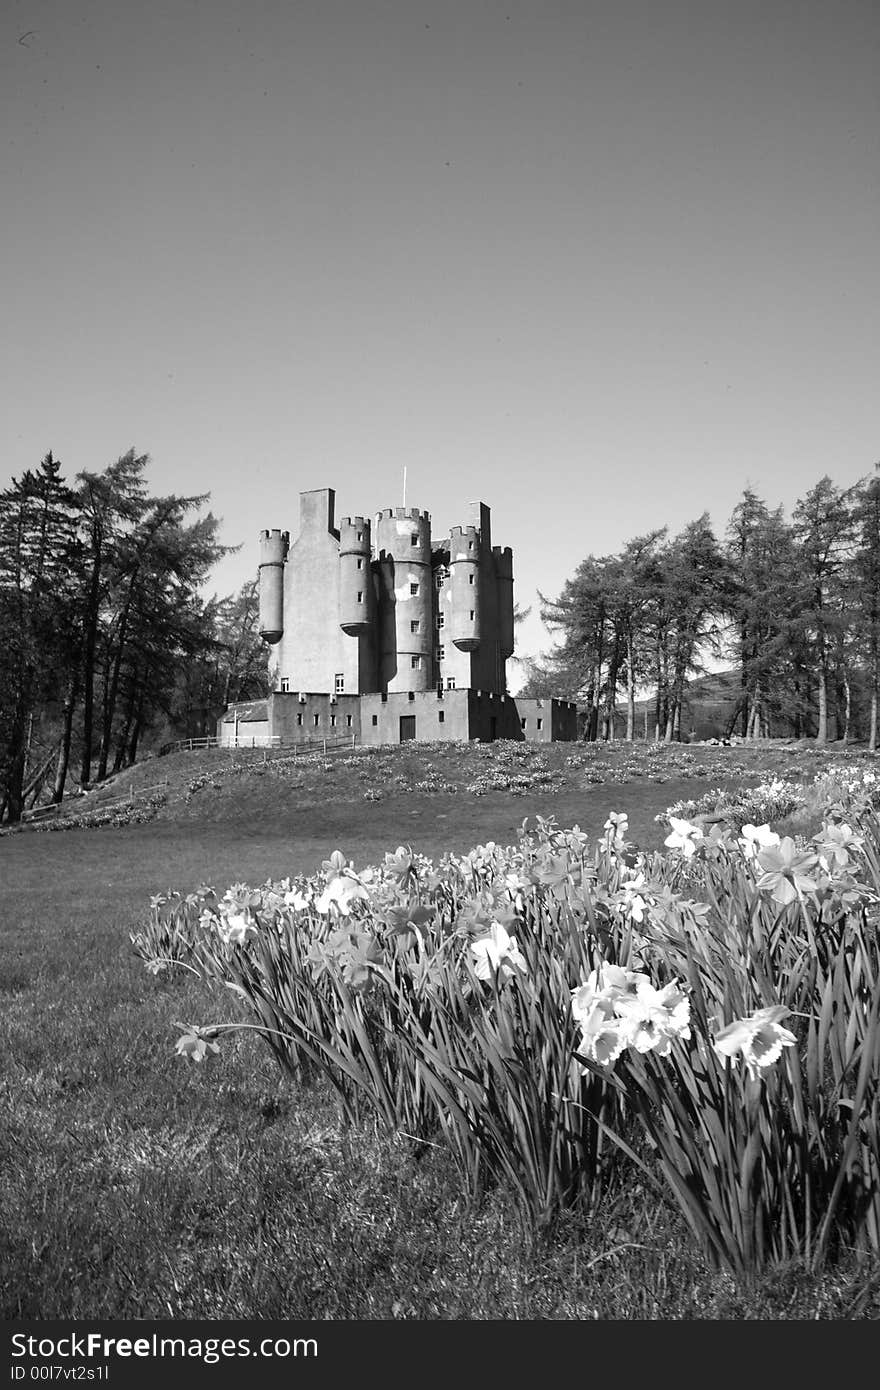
{"x":135,"y":1184}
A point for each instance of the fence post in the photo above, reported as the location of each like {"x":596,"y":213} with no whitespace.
{"x":324,"y":741}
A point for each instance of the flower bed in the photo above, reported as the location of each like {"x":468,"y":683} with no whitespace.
{"x":557,"y":1011}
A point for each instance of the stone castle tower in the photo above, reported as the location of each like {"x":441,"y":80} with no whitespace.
{"x":380,"y":633}
{"x":352,"y":611}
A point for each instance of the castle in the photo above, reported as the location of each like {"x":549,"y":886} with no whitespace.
{"x":386,"y":634}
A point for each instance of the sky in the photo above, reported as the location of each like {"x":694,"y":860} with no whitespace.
{"x":599,"y":265}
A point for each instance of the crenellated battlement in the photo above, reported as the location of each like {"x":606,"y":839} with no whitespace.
{"x":354,"y":521}
{"x":402,"y":514}
{"x":274,"y":546}
{"x":467,"y":532}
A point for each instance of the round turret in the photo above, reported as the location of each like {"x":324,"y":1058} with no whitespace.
{"x":357,"y":611}
{"x":464,"y":562}
{"x":273,"y":553}
{"x":403,"y":539}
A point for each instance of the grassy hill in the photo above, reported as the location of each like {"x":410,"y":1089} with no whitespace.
{"x":380,"y":796}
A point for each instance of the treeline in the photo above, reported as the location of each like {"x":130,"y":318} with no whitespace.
{"x":793,"y":603}
{"x":104,"y":633}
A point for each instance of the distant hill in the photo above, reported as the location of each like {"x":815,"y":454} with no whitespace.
{"x":709,"y":708}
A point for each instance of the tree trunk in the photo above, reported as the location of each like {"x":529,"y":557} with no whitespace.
{"x":123,"y":741}
{"x":16,"y":752}
{"x":610,"y":703}
{"x":847,"y":707}
{"x":67,"y":729}
{"x":875,"y":682}
{"x":670,"y":720}
{"x":743,"y":677}
{"x":91,"y":638}
{"x":630,"y":693}
{"x":822,"y":731}
{"x":138,"y":726}
{"x":593,"y":713}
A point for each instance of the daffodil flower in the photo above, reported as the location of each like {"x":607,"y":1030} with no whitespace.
{"x":497,"y":952}
{"x":615,"y":829}
{"x":602,"y":988}
{"x":196,"y":1047}
{"x":234,"y":926}
{"x":784,"y":871}
{"x":754,"y":838}
{"x":684,"y":836}
{"x":602,"y":1040}
{"x":653,"y":1018}
{"x":760,"y":1038}
{"x":635,"y":905}
{"x":834,"y":844}
{"x":341,"y":892}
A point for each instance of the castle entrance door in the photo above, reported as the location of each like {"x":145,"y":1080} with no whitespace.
{"x":407,"y":727}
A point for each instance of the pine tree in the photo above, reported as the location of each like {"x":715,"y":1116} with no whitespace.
{"x":824,"y":533}
{"x":38,"y":560}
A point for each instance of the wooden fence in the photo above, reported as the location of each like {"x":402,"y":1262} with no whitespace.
{"x":88,"y":804}
{"x":314,"y":745}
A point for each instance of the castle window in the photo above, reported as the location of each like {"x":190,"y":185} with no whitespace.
{"x":470,"y":578}
{"x":540,"y":725}
{"x":472,"y":615}
{"x":360,"y":595}
{"x":339,"y":682}
{"x":299,"y":720}
{"x":450,"y":682}
{"x":441,"y":717}
{"x":441,"y":619}
{"x":285,"y":685}
{"x":414,"y":538}
{"x":470,"y":545}
{"x":317,"y":718}
{"x":411,"y":695}
{"x":413,"y":589}
{"x":414,"y":625}
{"x":523,"y":723}
{"x":441,"y":653}
{"x":375,"y":720}
{"x":333,"y":720}
{"x":360,"y":538}
{"x":440,"y":578}
{"x":384,"y":699}
{"x":416,"y":663}
{"x":348,"y":721}
{"x":360,"y":560}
